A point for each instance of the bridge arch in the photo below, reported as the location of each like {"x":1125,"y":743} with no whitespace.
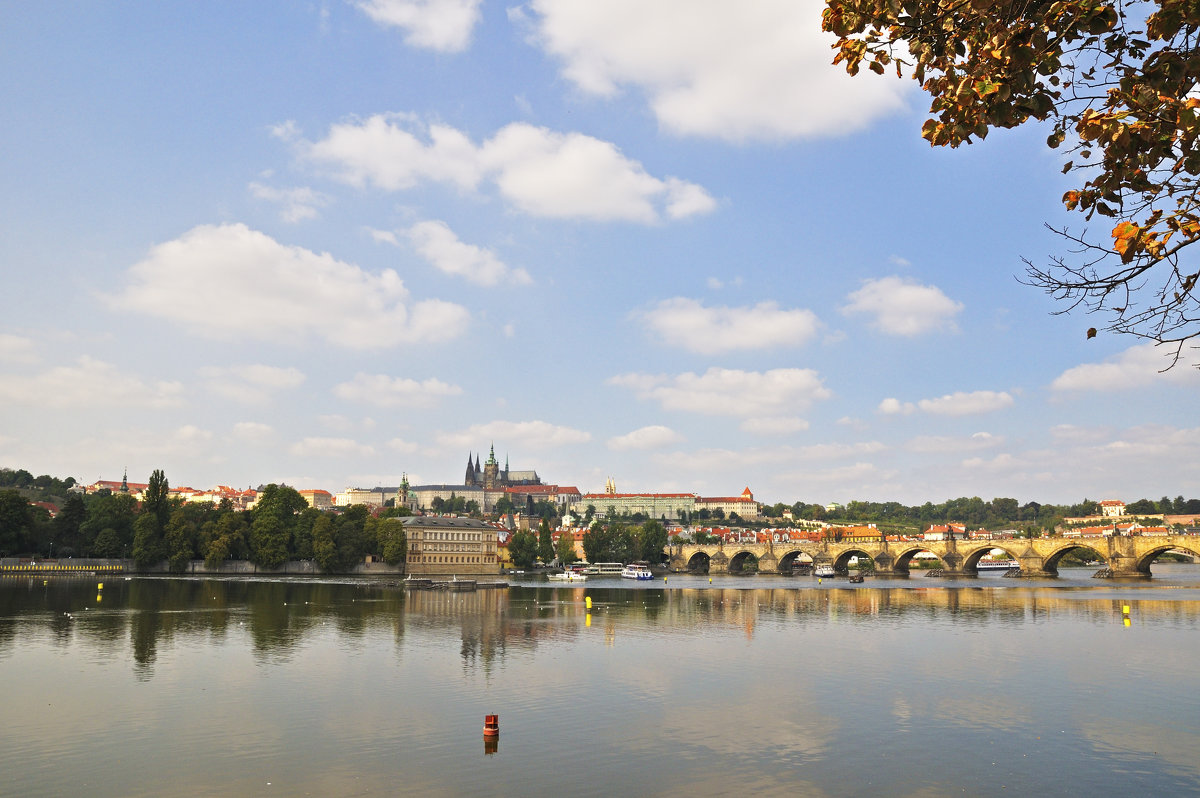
{"x":841,"y":563}
{"x":905,"y":556}
{"x":1143,"y":563}
{"x":699,"y":563}
{"x":737,"y":562}
{"x":790,"y":559}
{"x":1050,"y":563}
{"x":971,"y":558}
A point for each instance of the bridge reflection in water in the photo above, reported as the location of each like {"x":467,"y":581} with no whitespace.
{"x":1125,"y":556}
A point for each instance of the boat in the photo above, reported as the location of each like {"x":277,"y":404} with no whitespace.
{"x":568,"y":576}
{"x":587,"y":569}
{"x":986,"y":564}
{"x":824,"y":570}
{"x":636,"y":571}
{"x":608,"y":568}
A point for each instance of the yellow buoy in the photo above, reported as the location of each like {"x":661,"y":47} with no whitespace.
{"x":100,"y":586}
{"x":1125,"y":609}
{"x":588,"y":601}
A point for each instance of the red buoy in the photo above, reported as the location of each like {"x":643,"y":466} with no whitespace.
{"x":491,"y":725}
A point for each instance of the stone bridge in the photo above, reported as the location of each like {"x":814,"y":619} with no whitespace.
{"x":1125,"y":556}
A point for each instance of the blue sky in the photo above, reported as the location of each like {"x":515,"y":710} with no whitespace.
{"x":328,"y":243}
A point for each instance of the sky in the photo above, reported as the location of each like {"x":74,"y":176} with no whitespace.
{"x":332,"y":243}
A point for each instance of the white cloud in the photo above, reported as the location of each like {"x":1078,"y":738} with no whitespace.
{"x":960,"y":403}
{"x":252,"y":431}
{"x":441,"y":25}
{"x":938,"y":444}
{"x":900,"y":306}
{"x":385,"y":391}
{"x":90,"y":383}
{"x":716,"y":68}
{"x":330,"y":447}
{"x":403,"y":446}
{"x":690,"y":325}
{"x":228,"y":281}
{"x":16,"y":349}
{"x":652,"y":437}
{"x":1133,"y":368}
{"x":531,"y":434}
{"x":298,"y":204}
{"x":774,"y":425}
{"x":439,"y":245}
{"x":894,"y":407}
{"x":252,"y":384}
{"x":539,"y":171}
{"x":730,"y":392}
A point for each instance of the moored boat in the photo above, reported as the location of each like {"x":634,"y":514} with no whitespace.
{"x":824,"y":570}
{"x":568,"y":576}
{"x":636,"y":571}
{"x":988,"y":564}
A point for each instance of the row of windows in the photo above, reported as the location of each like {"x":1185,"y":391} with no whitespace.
{"x":447,"y":560}
{"x":445,"y":547}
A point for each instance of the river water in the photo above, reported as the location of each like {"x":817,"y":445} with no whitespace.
{"x":751,"y":685}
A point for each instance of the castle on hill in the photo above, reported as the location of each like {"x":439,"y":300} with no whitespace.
{"x":491,"y":477}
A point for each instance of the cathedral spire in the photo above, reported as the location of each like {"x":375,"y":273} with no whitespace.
{"x":125,"y":481}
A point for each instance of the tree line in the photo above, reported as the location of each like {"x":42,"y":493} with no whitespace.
{"x":280,"y":527}
{"x":999,"y":513}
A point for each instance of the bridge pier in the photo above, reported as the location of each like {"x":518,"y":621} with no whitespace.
{"x":718,"y":563}
{"x":1125,"y":566}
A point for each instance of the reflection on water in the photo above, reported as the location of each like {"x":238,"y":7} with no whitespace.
{"x":772,"y":685}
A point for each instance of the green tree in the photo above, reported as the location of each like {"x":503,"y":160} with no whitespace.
{"x":67,"y":536}
{"x":504,"y":506}
{"x":180,"y":540}
{"x":114,"y":513}
{"x":269,"y":541}
{"x":545,"y":542}
{"x":1142,"y":507}
{"x":148,"y":547}
{"x":323,"y":546}
{"x":156,"y":499}
{"x":565,"y":548}
{"x":393,"y":539}
{"x":652,"y":541}
{"x":1117,"y":78}
{"x":353,"y":537}
{"x":16,"y":523}
{"x":522,"y":548}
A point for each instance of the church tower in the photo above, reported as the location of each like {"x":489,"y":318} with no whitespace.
{"x":469,"y":479}
{"x":491,"y":471}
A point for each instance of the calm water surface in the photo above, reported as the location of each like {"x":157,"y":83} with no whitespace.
{"x":759,"y":685}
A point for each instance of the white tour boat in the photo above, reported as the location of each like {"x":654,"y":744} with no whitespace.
{"x":988,"y":564}
{"x":824,"y":570}
{"x":568,"y":576}
{"x":636,"y":571}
